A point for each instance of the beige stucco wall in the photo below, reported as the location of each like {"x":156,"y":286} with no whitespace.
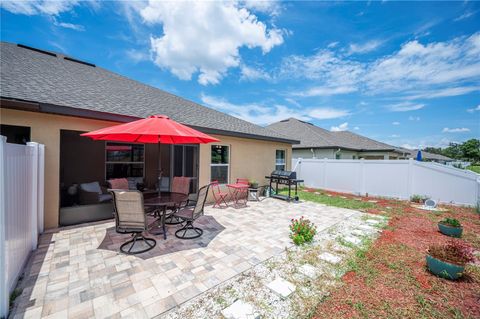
{"x":249,"y":158}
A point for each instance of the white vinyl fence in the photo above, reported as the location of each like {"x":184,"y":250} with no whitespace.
{"x":21,"y":210}
{"x":391,"y":178}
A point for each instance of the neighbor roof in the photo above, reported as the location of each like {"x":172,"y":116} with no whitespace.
{"x":312,"y":136}
{"x":425,"y":155}
{"x":63,"y":85}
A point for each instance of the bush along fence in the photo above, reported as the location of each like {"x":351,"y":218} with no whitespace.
{"x":391,"y":178}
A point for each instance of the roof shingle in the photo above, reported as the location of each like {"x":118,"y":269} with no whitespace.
{"x":38,"y":77}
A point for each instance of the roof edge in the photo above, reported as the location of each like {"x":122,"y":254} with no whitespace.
{"x":348,"y":149}
{"x":33,"y":106}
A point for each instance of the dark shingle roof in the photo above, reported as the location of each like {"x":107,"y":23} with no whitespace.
{"x":426,"y":155}
{"x":39,"y":77}
{"x":312,"y":136}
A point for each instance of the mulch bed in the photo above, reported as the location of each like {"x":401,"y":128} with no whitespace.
{"x":392,"y":281}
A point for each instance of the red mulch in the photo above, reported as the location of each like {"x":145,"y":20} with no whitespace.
{"x":394,"y":281}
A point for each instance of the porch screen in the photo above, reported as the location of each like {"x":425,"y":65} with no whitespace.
{"x":124,"y":160}
{"x":220,"y":163}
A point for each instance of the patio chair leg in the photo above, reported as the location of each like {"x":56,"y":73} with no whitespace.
{"x":137,"y":237}
{"x":189,"y":226}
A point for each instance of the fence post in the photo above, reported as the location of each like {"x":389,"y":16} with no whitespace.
{"x":4,"y":298}
{"x":41,"y":188}
{"x":324,"y":185}
{"x":410,"y":180}
{"x":33,"y":176}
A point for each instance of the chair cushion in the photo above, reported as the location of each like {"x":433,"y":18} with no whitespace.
{"x":93,"y":187}
{"x":104,"y":197}
{"x":118,"y":183}
{"x":133,"y":181}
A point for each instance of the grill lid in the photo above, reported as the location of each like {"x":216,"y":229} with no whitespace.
{"x":284,"y":174}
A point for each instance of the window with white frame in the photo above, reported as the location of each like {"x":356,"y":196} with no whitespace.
{"x":280,"y":162}
{"x":220,"y":164}
{"x":124,"y":160}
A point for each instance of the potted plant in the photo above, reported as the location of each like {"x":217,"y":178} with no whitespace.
{"x":449,"y":261}
{"x":450,"y":227}
{"x":253,"y":184}
{"x":420,"y":199}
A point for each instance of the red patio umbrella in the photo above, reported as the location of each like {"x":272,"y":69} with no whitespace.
{"x":155,"y":129}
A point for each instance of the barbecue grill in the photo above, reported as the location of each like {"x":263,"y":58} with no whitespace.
{"x":287,"y":178}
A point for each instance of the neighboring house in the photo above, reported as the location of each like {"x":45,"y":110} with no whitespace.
{"x":426,"y":156}
{"x":316,"y":142}
{"x":50,"y":98}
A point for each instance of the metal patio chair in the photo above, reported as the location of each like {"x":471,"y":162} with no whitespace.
{"x":189,"y":214}
{"x":218,"y":196}
{"x":130,"y":218}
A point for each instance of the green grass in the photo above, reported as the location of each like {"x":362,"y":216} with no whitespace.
{"x":474,"y":168}
{"x":332,"y":200}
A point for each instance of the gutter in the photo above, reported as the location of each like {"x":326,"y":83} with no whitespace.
{"x":32,"y":106}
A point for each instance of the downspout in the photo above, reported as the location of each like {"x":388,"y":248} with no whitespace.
{"x":313,"y":153}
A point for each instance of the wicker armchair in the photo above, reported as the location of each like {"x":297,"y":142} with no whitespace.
{"x":189,"y":214}
{"x":130,"y":218}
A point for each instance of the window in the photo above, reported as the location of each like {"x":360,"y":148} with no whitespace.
{"x":15,"y":134}
{"x":220,"y":164}
{"x":124,"y":160}
{"x":280,"y":163}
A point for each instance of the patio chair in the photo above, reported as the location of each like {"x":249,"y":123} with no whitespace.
{"x":130,"y":218}
{"x":180,"y":184}
{"x":243,"y":181}
{"x":218,"y":196}
{"x":189,"y":214}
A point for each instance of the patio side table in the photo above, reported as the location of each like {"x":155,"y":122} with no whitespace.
{"x":253,"y":195}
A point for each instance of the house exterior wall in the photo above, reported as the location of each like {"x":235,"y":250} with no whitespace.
{"x":249,"y":158}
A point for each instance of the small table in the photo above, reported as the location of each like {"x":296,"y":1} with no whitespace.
{"x":161,"y":202}
{"x":238,"y":191}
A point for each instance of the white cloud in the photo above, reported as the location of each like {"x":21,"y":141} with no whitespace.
{"x":360,"y":48}
{"x":417,"y":70}
{"x":414,"y":118}
{"x":76,"y":27}
{"x":34,"y":7}
{"x":332,"y":44}
{"x":252,"y":74}
{"x":341,"y":127}
{"x":473,"y":110}
{"x":356,"y":128}
{"x":194,"y":42}
{"x":405,"y":107}
{"x":464,"y":16}
{"x":271,"y":7}
{"x":394,"y":135}
{"x":326,"y":91}
{"x":455,"y":130}
{"x":395,"y":123}
{"x":323,"y":113}
{"x":262,"y":114}
{"x":137,"y":55}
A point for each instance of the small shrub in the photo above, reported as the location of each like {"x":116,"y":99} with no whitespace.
{"x":302,"y":231}
{"x":454,"y":252}
{"x":418,"y":198}
{"x":451,"y":222}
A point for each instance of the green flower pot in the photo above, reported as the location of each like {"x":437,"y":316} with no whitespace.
{"x":450,"y":230}
{"x":444,"y":269}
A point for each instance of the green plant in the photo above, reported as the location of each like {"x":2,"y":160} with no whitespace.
{"x":253,"y":183}
{"x":302,"y":231}
{"x":451,"y":222}
{"x":454,"y":252}
{"x":418,"y":198}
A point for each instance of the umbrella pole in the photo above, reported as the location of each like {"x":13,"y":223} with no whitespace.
{"x":159,"y":170}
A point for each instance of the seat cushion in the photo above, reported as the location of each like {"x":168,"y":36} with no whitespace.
{"x":133,"y":181}
{"x":118,"y":183}
{"x":93,"y":187}
{"x":104,"y":197}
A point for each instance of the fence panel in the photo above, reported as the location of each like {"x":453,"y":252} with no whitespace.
{"x":391,"y":178}
{"x":21,"y":181}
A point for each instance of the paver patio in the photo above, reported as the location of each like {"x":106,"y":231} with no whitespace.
{"x":78,"y":271}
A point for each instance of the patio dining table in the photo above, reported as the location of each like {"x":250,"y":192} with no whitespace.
{"x":161,"y":202}
{"x":238,"y":191}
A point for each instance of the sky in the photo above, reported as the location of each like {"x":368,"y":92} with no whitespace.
{"x":404,"y":73}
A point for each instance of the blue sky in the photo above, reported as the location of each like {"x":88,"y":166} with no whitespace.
{"x":404,"y":73}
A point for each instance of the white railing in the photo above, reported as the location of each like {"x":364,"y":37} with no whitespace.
{"x":391,"y":178}
{"x":21,"y":210}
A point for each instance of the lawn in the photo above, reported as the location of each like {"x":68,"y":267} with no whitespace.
{"x":389,"y":279}
{"x":474,"y":168}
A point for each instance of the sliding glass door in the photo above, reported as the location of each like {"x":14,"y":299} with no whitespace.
{"x":185,"y":163}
